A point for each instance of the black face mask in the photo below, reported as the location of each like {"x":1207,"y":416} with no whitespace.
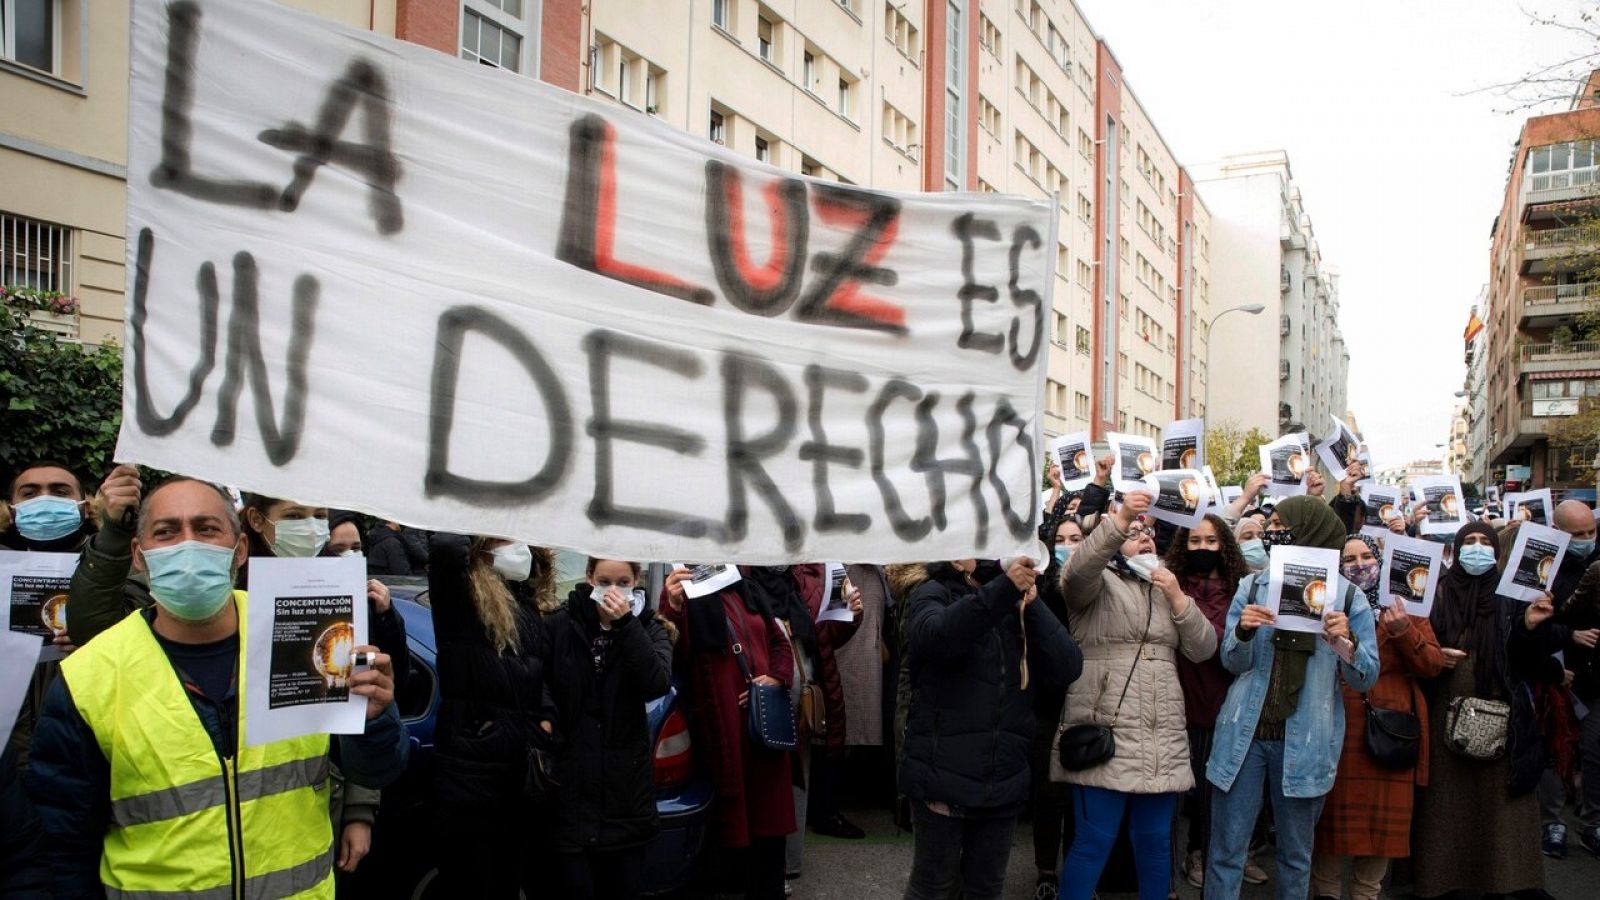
{"x":1203,"y":562}
{"x":1283,"y":537}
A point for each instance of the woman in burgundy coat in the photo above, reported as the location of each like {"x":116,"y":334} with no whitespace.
{"x":827,"y":752}
{"x":754,"y":805}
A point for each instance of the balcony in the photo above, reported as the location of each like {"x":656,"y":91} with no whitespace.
{"x":1541,"y":192}
{"x":1554,"y":249}
{"x":1533,"y":422}
{"x":1290,"y":237}
{"x":1547,"y":306}
{"x":1558,"y":357}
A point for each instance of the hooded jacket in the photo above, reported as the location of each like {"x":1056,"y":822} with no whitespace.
{"x":970,"y":723}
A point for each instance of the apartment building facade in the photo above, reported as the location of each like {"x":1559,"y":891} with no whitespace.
{"x":1540,"y":279}
{"x":1015,"y":96}
{"x":1268,"y":255}
{"x":63,"y":122}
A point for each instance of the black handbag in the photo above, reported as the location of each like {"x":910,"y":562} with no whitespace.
{"x":770,"y":718}
{"x":1092,"y":744}
{"x":1394,"y":738}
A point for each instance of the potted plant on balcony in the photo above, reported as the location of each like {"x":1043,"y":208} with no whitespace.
{"x":49,"y":311}
{"x":1560,"y":338}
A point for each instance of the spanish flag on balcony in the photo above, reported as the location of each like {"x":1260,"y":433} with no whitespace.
{"x":1474,"y":325}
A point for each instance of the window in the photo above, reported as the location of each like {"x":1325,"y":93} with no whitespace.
{"x":30,"y":31}
{"x":491,"y":32}
{"x":1080,"y":404}
{"x":988,"y":116}
{"x":1085,"y":145}
{"x":846,"y":89}
{"x":1060,"y":334}
{"x":763,"y":149}
{"x":899,"y":31}
{"x":810,"y":168}
{"x":808,"y":71}
{"x":1085,"y":343}
{"x":625,"y":78}
{"x":722,"y":14}
{"x":1055,"y":397}
{"x":955,"y":91}
{"x":989,"y":37}
{"x":764,"y":37}
{"x":718,"y":130}
{"x":899,"y":130}
{"x":1085,"y":274}
{"x":1085,"y":210}
{"x":652,"y":90}
{"x":35,"y":254}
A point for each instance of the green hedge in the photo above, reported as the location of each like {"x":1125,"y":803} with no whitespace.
{"x":58,"y":400}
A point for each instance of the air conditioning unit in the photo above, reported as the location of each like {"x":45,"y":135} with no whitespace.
{"x":1283,"y":370}
{"x":1283,"y":326}
{"x":1283,"y":279}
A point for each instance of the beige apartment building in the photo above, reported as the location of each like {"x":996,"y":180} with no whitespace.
{"x":1016,"y":96}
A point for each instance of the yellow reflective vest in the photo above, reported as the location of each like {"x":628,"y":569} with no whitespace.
{"x":186,"y":821}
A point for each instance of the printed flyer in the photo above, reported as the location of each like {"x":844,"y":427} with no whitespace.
{"x":1180,"y":496}
{"x":710,"y":578}
{"x":1135,"y":458}
{"x":1286,"y":461}
{"x":1447,"y":508}
{"x":836,"y":606}
{"x":1410,"y":574}
{"x":305,"y":617}
{"x":1531,"y":506}
{"x":1382,"y":503}
{"x":1535,"y":557}
{"x":1339,"y":450}
{"x":1302,"y":582}
{"x":1076,"y":459}
{"x":1183,"y":444}
{"x":19,"y":653}
{"x":33,"y":587}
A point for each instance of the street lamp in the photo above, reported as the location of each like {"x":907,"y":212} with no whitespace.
{"x":1251,"y":308}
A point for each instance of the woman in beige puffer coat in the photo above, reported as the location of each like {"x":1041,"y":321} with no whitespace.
{"x":1126,"y":624}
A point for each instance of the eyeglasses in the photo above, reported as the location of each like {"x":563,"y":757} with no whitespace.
{"x":1137,"y":529}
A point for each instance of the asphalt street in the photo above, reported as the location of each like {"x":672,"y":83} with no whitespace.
{"x":876,"y":868}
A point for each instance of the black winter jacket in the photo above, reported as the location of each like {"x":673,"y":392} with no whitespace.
{"x":23,"y":873}
{"x":607,"y":794}
{"x":490,"y":703}
{"x":970,"y":724}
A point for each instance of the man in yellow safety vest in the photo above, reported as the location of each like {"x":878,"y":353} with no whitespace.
{"x":139,"y":772}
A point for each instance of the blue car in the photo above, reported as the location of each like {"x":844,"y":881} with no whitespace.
{"x":403,"y":859}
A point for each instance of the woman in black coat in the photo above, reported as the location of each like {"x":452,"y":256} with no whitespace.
{"x":485,"y":595}
{"x":974,"y":653}
{"x":609,"y":656}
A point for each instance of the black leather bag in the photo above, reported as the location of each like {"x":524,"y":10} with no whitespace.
{"x":1394,"y":738}
{"x":770,"y":715}
{"x":1091,"y":744}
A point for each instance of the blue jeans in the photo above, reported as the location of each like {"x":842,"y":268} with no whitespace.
{"x":1233,"y":818}
{"x":1097,"y":813}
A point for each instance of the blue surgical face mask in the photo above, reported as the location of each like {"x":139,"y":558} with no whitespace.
{"x":1580,"y":549}
{"x":1477,"y":558}
{"x":1063,"y":552}
{"x":191,"y":580}
{"x":47,"y":518}
{"x":1254,"y":553}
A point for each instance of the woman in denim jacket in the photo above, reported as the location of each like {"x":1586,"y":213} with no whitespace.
{"x":1281,"y":728}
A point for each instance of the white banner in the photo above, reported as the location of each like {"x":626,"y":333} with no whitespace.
{"x":369,"y":275}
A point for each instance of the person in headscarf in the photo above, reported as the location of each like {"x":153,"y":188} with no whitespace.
{"x":1248,"y":536}
{"x":1493,"y":649}
{"x":1287,"y":682}
{"x":1367,"y":816}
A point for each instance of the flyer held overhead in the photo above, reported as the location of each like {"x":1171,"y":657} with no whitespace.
{"x":1287,"y":462}
{"x":1531,"y":506}
{"x":836,"y":605}
{"x":756,"y":378}
{"x":1536,"y":555}
{"x":1183,"y":444}
{"x":1410,"y":575}
{"x":1074,"y":455}
{"x":1133,"y":458}
{"x":1380,"y":503}
{"x":1179,"y":496}
{"x":1339,"y":450}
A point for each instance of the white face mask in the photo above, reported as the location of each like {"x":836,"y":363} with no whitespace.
{"x":514,"y":562}
{"x":351,"y":552}
{"x":299,"y":538}
{"x":1144,"y":564}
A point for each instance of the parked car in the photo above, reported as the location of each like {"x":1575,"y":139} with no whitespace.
{"x":403,"y":863}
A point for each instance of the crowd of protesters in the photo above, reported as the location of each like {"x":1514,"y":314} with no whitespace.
{"x":1129,"y":688}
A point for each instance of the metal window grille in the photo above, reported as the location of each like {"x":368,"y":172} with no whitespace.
{"x":35,"y":254}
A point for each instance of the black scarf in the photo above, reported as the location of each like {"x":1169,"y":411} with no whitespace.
{"x":775,"y":587}
{"x":708,"y":621}
{"x":1466,"y":615}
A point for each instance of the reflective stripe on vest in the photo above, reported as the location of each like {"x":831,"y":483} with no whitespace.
{"x":184,"y":822}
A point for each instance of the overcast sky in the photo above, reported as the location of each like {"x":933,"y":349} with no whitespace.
{"x":1401,"y":167}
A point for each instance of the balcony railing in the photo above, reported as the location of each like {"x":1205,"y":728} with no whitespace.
{"x":1574,"y":350}
{"x":1560,"y":293}
{"x":1555,"y":237}
{"x":1560,"y":181}
{"x":1554,"y":408}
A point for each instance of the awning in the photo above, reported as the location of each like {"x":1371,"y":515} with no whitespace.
{"x":1562,"y":376}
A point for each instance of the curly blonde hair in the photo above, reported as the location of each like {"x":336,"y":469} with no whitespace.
{"x":492,"y":599}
